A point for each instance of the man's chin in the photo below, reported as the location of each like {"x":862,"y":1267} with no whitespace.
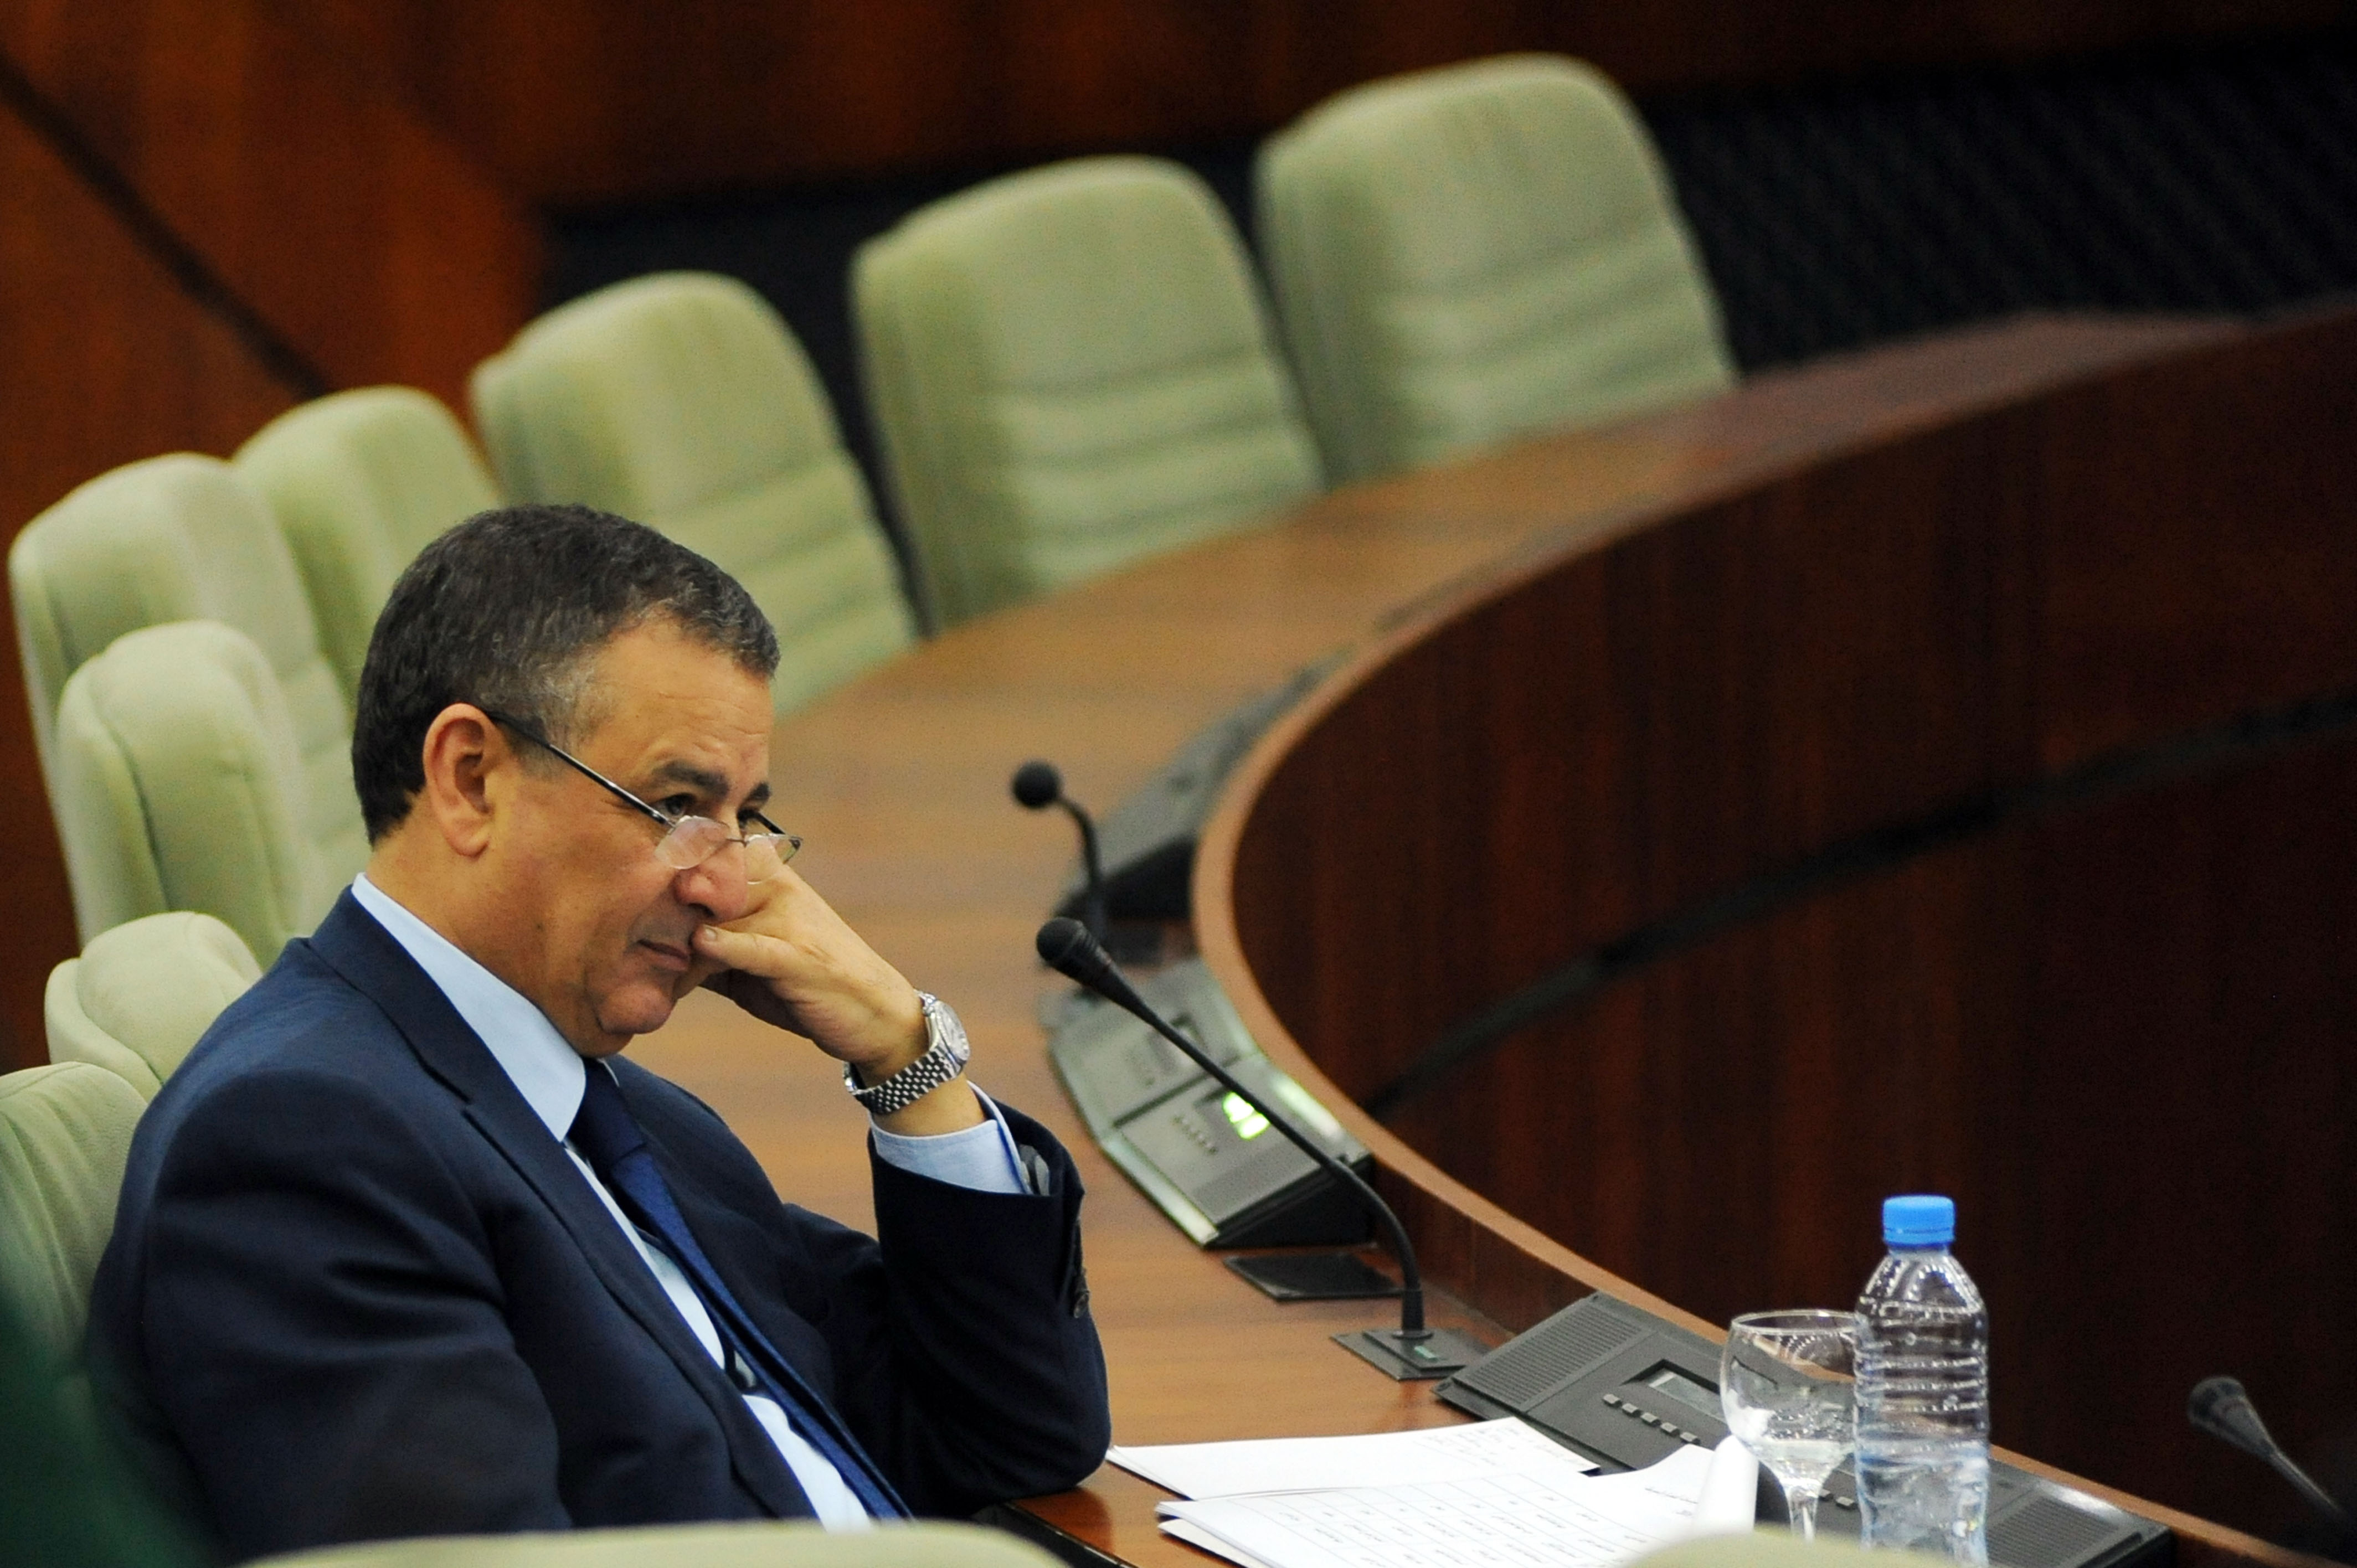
{"x":640,"y":1008}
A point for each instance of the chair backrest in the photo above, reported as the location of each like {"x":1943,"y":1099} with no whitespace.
{"x":1070,"y":368}
{"x":143,"y":993}
{"x":65,"y":1134}
{"x":177,"y":539}
{"x":66,"y":1500}
{"x":765,"y":1545}
{"x":681,"y":401}
{"x":1467,"y":254}
{"x":360,"y":482}
{"x":179,"y":787}
{"x":1764,"y":1548}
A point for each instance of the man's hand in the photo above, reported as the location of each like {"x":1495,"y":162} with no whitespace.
{"x":791,"y":960}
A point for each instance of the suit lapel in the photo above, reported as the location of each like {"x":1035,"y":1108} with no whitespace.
{"x":350,"y":941}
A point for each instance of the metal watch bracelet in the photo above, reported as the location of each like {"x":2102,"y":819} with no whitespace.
{"x":945,"y":1057}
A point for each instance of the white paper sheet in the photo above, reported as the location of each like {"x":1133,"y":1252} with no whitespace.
{"x":1374,"y":1459}
{"x":1522,"y":1519}
{"x":1204,"y":1540}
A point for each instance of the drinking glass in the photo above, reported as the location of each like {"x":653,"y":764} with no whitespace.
{"x":1787,"y":1381}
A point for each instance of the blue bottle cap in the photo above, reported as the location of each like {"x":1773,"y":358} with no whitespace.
{"x":1918,"y":1221}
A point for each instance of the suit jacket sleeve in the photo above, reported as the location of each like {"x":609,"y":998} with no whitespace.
{"x":958,"y":1342}
{"x":336,"y":1264}
{"x":988,"y":1315}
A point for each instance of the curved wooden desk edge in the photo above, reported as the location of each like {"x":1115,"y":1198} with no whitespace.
{"x":1494,"y":1263}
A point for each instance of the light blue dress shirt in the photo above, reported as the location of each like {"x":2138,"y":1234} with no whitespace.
{"x":547,"y":1071}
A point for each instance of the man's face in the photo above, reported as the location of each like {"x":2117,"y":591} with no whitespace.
{"x":601,"y":932}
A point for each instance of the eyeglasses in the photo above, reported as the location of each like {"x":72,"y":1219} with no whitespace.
{"x":688,"y":841}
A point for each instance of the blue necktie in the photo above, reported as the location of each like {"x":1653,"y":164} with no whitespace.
{"x":609,"y":1138}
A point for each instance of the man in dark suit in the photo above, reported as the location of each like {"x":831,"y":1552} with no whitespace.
{"x":406,"y":1248}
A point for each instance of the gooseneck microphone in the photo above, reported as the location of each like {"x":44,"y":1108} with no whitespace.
{"x":1411,"y":1350}
{"x":2221,"y":1408}
{"x":1037,"y":786}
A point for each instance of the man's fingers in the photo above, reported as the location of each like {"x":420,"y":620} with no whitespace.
{"x":738,"y":950}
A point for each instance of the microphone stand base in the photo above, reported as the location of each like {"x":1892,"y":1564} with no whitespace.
{"x":1435,"y":1353}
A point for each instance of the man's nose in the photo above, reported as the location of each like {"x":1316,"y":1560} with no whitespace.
{"x":717,"y":888}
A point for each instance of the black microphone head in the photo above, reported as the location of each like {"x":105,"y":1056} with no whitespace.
{"x":1066,"y":947}
{"x":2219,"y":1407}
{"x":1036,"y":785}
{"x":1072,"y":951}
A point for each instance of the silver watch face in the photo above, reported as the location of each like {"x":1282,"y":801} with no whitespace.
{"x":946,"y":1033}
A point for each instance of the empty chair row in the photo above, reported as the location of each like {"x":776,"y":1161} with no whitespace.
{"x":1073,"y":367}
{"x":1070,"y":368}
{"x":287,"y":554}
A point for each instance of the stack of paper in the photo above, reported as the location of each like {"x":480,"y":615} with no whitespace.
{"x":1463,"y":1452}
{"x":1494,"y":1492}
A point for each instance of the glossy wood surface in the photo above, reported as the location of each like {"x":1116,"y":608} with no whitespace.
{"x":603,"y":100}
{"x":2115,"y":1027}
{"x":102,"y":360}
{"x":900,"y":784}
{"x":366,"y":242}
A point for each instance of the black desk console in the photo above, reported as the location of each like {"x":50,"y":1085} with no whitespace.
{"x":1624,"y":1388}
{"x":1206,"y":1158}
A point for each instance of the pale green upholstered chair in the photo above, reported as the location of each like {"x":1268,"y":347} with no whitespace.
{"x":65,"y":1501}
{"x":65,"y":1133}
{"x":682,"y":402}
{"x":696,"y":1546}
{"x":1464,"y":255}
{"x":360,"y":482}
{"x":180,"y":786}
{"x":1776,"y":1549}
{"x":1071,"y":368}
{"x":143,"y":993}
{"x":177,"y":539}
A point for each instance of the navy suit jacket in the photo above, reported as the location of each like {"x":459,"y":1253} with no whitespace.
{"x":356,"y":1290}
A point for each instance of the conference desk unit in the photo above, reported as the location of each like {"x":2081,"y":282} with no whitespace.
{"x":1924,"y":768}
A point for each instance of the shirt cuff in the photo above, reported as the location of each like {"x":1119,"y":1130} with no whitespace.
{"x":984,"y":1158}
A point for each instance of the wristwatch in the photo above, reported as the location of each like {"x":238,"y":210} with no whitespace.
{"x":945,"y":1057}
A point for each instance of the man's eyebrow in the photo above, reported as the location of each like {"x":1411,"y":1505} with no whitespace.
{"x":711,"y":785}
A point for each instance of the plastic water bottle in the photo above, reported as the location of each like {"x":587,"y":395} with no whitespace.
{"x":1922,"y":1391}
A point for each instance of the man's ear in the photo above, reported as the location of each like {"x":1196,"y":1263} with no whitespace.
{"x":468,"y":766}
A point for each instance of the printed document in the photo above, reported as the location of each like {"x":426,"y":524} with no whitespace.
{"x":1552,"y":1517}
{"x":1376,"y":1459}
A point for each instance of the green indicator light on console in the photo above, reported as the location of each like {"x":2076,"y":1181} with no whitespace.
{"x":1247,"y":1122}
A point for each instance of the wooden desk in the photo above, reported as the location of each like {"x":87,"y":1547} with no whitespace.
{"x":1965,"y":813}
{"x":900,"y":785}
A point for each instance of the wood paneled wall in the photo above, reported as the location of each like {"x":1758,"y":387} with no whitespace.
{"x":2116,"y":1027}
{"x":580,"y":101}
{"x":103,"y":360}
{"x":205,"y":214}
{"x":365,"y":241}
